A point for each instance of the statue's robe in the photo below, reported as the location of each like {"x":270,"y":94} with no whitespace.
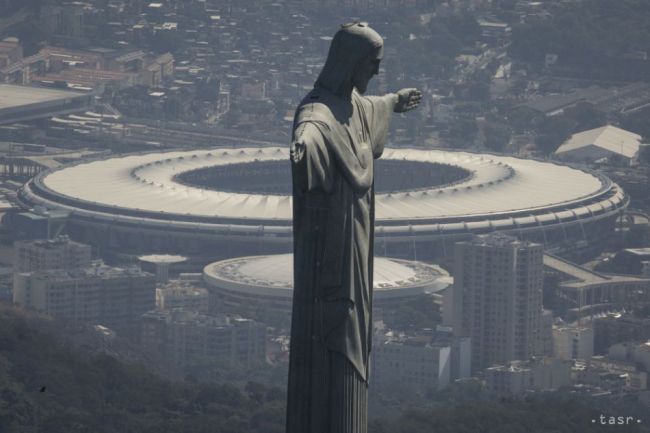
{"x":335,"y":142}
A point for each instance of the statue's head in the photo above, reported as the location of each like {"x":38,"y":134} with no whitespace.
{"x":353,"y":59}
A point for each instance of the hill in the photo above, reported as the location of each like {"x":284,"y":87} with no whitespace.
{"x":46,"y":385}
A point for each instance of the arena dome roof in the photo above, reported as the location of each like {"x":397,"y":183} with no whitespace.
{"x":272,"y":275}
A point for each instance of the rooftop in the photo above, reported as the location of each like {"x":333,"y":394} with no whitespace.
{"x":607,"y":137}
{"x":162,"y":258}
{"x":180,"y":316}
{"x":12,"y":96}
{"x":582,"y":277}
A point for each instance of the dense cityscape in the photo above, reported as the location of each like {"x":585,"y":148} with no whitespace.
{"x":146,"y":275}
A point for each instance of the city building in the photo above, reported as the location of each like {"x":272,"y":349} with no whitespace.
{"x":461,"y":352}
{"x":518,"y":377}
{"x":494,"y":31}
{"x":38,"y":224}
{"x":612,"y":100}
{"x":94,"y":68}
{"x":161,"y":68}
{"x":497,"y":298}
{"x":63,"y":20}
{"x":416,"y":364}
{"x":605,"y":142}
{"x":584,"y":291}
{"x":546,"y":340}
{"x":58,"y":253}
{"x":613,"y":328}
{"x":98,"y":294}
{"x":631,"y":351}
{"x":610,"y":375}
{"x":631,"y":260}
{"x":185,"y":337}
{"x":573,"y":341}
{"x":11,"y":51}
{"x":182,"y":294}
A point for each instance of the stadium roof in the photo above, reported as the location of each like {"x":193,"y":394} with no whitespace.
{"x":498,"y":185}
{"x":11,"y":95}
{"x":18,"y":103}
{"x":610,"y":138}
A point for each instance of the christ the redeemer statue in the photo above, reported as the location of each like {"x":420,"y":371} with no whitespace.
{"x":337,"y":135}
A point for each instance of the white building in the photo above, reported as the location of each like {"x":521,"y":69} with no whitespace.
{"x":573,"y":342}
{"x":461,"y":352}
{"x":100,"y":295}
{"x":414,"y":363}
{"x":182,"y":294}
{"x":537,"y":374}
{"x":546,"y":334}
{"x":57,"y":253}
{"x":184,"y":337}
{"x":610,"y":374}
{"x":508,"y":380}
{"x":497,"y":298}
{"x":632,"y":352}
{"x":604,"y":142}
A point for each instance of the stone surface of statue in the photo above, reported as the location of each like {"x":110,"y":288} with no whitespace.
{"x":337,"y":135}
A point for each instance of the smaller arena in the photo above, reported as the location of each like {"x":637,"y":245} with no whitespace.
{"x":267,"y":281}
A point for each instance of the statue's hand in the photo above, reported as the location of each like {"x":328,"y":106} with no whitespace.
{"x":407,"y":100}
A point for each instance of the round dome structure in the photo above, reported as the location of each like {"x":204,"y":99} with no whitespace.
{"x":267,"y":281}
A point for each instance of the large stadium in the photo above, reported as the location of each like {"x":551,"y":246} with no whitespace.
{"x":233,"y":202}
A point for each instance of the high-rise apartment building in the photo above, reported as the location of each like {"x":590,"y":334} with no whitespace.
{"x":497,"y":298}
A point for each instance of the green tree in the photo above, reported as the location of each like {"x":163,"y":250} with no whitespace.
{"x":497,"y":136}
{"x":552,"y":132}
{"x":586,"y":116}
{"x":644,"y":154}
{"x":462,"y":132}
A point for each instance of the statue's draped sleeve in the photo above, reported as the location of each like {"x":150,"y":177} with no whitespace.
{"x":378,"y":112}
{"x":311,"y":161}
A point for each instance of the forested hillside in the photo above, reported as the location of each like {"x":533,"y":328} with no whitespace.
{"x":603,"y":37}
{"x":46,"y":386}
